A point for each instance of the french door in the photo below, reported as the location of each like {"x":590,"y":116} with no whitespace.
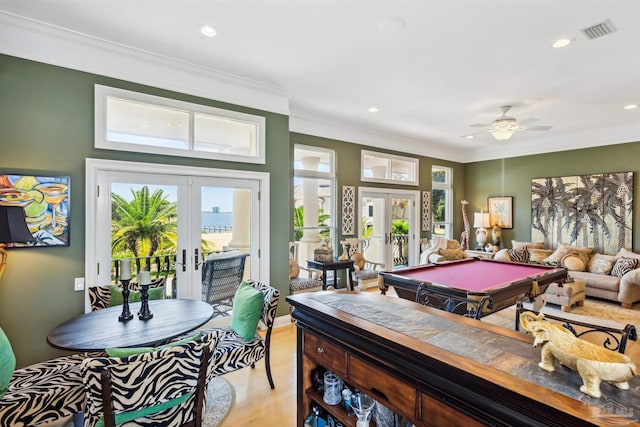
{"x":388,"y":220}
{"x":204,"y":210}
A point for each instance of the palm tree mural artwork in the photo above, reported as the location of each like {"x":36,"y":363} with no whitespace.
{"x":586,"y":210}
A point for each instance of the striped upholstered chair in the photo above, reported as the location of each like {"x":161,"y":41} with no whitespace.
{"x":155,"y":387}
{"x":43,"y":394}
{"x":235,"y":353}
{"x":100,"y":296}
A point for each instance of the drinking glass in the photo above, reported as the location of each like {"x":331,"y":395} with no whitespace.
{"x":362,"y":406}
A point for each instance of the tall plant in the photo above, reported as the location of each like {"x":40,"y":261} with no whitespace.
{"x":144,"y":226}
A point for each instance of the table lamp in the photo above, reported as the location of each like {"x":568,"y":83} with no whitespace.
{"x":481,"y":222}
{"x":13,"y":229}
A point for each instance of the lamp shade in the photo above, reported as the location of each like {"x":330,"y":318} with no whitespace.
{"x":13,"y":227}
{"x":481,"y":220}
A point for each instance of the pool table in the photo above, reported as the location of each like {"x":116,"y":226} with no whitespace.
{"x":502,"y":283}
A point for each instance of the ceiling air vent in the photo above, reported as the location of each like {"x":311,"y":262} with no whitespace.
{"x":599,"y":30}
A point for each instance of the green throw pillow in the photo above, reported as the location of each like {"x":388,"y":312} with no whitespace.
{"x":130,"y":351}
{"x":247,"y":308}
{"x":7,"y":362}
{"x":134,"y":296}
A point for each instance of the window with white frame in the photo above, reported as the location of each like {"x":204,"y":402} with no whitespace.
{"x":388,"y":168}
{"x":441,"y":201}
{"x":134,"y":121}
{"x":313,"y":198}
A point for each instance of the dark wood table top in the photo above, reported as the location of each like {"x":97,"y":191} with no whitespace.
{"x":101,"y":329}
{"x":329,"y":265}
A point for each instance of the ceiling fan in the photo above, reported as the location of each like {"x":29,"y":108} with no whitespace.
{"x":504,"y":127}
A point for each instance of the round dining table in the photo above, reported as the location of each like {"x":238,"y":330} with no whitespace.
{"x":101,"y":329}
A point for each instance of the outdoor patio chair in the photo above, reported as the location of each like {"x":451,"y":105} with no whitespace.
{"x":221,"y":275}
{"x":169,"y":384}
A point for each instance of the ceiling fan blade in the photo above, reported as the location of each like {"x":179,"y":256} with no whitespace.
{"x":528,"y":121}
{"x":480,"y":125}
{"x":536,"y":127}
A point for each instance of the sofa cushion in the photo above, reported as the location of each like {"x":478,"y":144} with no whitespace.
{"x":597,"y":281}
{"x":538,"y":255}
{"x":627,"y":254}
{"x":601,"y":264}
{"x":530,"y":245}
{"x":561,"y":251}
{"x":520,"y":254}
{"x":623,"y":266}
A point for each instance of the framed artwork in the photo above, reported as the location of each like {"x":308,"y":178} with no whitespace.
{"x":45,"y":200}
{"x":501,"y":211}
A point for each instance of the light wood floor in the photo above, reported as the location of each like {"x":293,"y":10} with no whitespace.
{"x":257,"y":404}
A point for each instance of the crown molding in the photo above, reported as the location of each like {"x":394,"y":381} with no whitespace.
{"x":370,"y":138}
{"x":34,"y":40}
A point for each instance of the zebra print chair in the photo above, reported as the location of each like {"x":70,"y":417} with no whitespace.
{"x":163,"y":387}
{"x":235,"y":353}
{"x":43,"y":393}
{"x":100,"y":296}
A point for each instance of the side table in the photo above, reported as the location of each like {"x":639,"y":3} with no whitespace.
{"x":335,"y":265}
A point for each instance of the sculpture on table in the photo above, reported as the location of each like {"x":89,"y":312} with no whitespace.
{"x":496,"y":233}
{"x":466,"y":233}
{"x":593,"y":363}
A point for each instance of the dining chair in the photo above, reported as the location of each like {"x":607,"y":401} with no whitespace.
{"x":234,"y":352}
{"x":162,"y":386}
{"x":221,"y":275}
{"x":311,"y":281}
{"x":101,"y":296}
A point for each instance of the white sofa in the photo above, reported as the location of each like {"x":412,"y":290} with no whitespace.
{"x":609,"y":277}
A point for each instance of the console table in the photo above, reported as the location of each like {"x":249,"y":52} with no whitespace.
{"x":435,"y":368}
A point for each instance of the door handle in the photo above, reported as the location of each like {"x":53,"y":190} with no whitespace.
{"x":196,"y":263}
{"x":184,"y":260}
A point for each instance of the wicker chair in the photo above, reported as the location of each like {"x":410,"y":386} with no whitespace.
{"x":221,"y":275}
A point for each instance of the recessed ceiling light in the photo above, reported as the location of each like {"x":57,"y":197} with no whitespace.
{"x":631,"y":107}
{"x":561,"y":42}
{"x":373,"y":109}
{"x":208,"y":31}
{"x":469,"y":136}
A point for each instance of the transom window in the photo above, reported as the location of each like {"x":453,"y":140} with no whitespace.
{"x":388,"y":168}
{"x":133,"y":121}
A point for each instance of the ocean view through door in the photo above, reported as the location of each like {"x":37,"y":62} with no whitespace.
{"x":169,"y":223}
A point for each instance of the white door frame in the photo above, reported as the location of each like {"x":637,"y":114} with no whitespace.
{"x":415,"y":215}
{"x":94,"y":166}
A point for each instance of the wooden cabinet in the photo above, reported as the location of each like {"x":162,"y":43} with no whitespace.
{"x":436,"y":369}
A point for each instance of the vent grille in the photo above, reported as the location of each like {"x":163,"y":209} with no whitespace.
{"x":599,"y":30}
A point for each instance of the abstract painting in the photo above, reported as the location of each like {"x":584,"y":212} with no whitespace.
{"x":45,"y":200}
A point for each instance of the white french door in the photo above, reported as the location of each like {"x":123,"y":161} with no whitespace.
{"x":214,"y":210}
{"x":388,"y":219}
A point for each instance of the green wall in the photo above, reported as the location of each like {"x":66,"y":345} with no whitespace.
{"x":46,"y":127}
{"x":484,"y":179}
{"x":348,"y":172}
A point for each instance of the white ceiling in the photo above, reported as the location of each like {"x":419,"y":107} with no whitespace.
{"x":432,"y":67}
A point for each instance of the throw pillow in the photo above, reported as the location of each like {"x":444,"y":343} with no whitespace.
{"x":116,"y":297}
{"x":452,"y":254}
{"x":623,"y":266}
{"x":7,"y":362}
{"x":601,"y":264}
{"x":130,"y":351}
{"x":529,"y":245}
{"x":453,"y":244}
{"x":294,"y":269}
{"x":520,"y":254}
{"x":558,"y":254}
{"x":247,"y":308}
{"x":627,"y":254}
{"x":358,"y":260}
{"x":572,"y":263}
{"x":538,"y":255}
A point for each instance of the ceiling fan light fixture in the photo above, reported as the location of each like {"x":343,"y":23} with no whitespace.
{"x":503,"y":129}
